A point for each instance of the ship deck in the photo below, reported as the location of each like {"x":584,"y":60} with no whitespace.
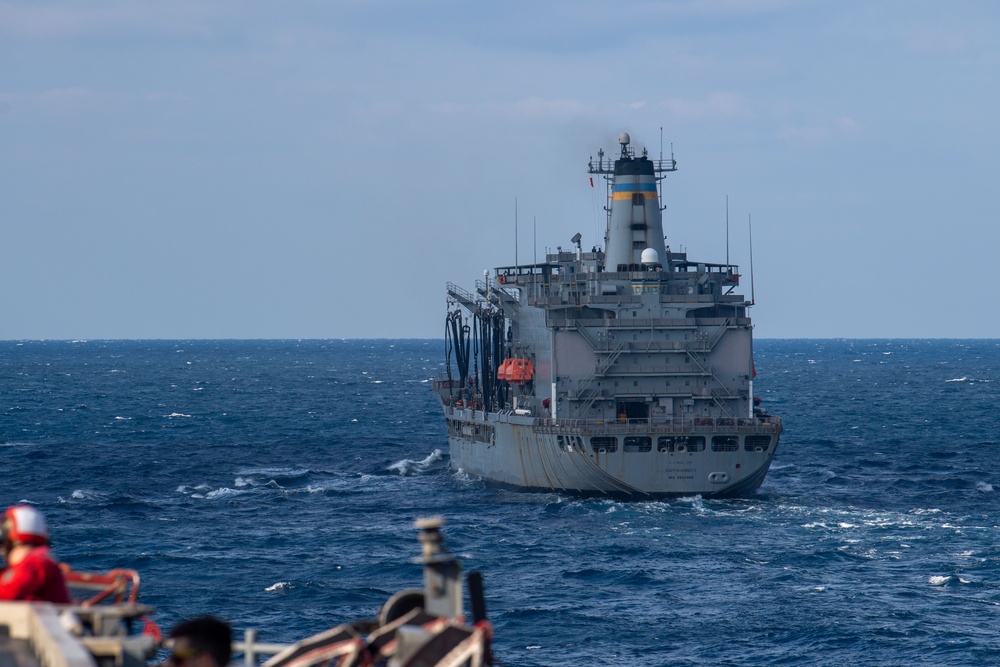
{"x":16,"y":652}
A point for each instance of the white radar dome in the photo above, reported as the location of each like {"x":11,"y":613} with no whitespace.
{"x":624,"y":139}
{"x":650,"y":256}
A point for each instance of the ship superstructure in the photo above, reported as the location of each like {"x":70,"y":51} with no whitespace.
{"x":625,"y":370}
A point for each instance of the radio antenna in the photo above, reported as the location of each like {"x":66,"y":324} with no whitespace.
{"x":660,"y":189}
{"x":515,"y":232}
{"x":534,"y":239}
{"x":727,"y":230}
{"x":750,"y":230}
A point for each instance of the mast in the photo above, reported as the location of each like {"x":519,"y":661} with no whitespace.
{"x":727,"y":230}
{"x":750,"y":230}
{"x":635,"y":223}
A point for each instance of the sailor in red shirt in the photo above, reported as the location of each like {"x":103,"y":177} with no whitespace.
{"x":31,"y":572}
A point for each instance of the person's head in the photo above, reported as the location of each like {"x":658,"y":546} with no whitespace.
{"x":23,"y":525}
{"x":200,"y":642}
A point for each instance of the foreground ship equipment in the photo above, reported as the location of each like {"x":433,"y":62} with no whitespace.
{"x":423,"y":627}
{"x":626,"y":370}
{"x":104,"y":626}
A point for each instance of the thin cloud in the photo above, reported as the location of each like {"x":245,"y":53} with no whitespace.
{"x":31,"y":21}
{"x":716,"y":105}
{"x":526,"y":109}
{"x":838,"y":128}
{"x":63,"y":101}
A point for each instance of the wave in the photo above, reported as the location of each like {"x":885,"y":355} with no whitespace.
{"x":410,"y":467}
{"x":206,"y":492}
{"x":88,"y":494}
{"x":224,"y":492}
{"x":279,"y":587}
{"x":348,"y":483}
{"x":952,"y":580}
{"x":259,"y":476}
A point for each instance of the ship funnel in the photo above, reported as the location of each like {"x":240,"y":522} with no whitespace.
{"x":634,"y":222}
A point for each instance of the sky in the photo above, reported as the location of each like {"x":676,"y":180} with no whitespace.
{"x":191,"y":169}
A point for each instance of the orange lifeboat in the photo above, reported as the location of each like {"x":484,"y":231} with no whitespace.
{"x":520,"y":371}
{"x":504,"y":370}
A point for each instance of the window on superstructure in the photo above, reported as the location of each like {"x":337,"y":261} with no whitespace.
{"x":604,"y":443}
{"x":757,"y":443}
{"x":637,"y":443}
{"x":725,"y":443}
{"x":680,"y":443}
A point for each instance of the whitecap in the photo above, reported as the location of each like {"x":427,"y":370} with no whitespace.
{"x":279,"y":587}
{"x":532,"y":647}
{"x":408,"y":466}
{"x":984,"y":487}
{"x":223,"y":493}
{"x":195,"y":491}
{"x":938,"y":581}
{"x":123,"y":418}
{"x":87,"y":494}
{"x":464,"y":477}
{"x":695,"y":502}
{"x":176,"y":414}
{"x":961,"y":379}
{"x":274,"y":471}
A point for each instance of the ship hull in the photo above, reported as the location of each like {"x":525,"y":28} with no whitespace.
{"x":544,"y":455}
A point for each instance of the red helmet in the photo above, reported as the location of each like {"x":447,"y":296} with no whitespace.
{"x":25,"y":525}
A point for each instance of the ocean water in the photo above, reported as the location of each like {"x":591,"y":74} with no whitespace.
{"x":275,"y":484}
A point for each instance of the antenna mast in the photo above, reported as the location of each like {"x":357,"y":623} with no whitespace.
{"x":727,"y":230}
{"x":534,"y":240}
{"x":660,"y":193}
{"x":750,"y":229}
{"x":515,"y":233}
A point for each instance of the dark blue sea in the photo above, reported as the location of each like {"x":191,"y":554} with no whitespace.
{"x":275,"y":484}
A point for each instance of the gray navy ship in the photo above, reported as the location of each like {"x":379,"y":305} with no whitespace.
{"x":626,"y":370}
